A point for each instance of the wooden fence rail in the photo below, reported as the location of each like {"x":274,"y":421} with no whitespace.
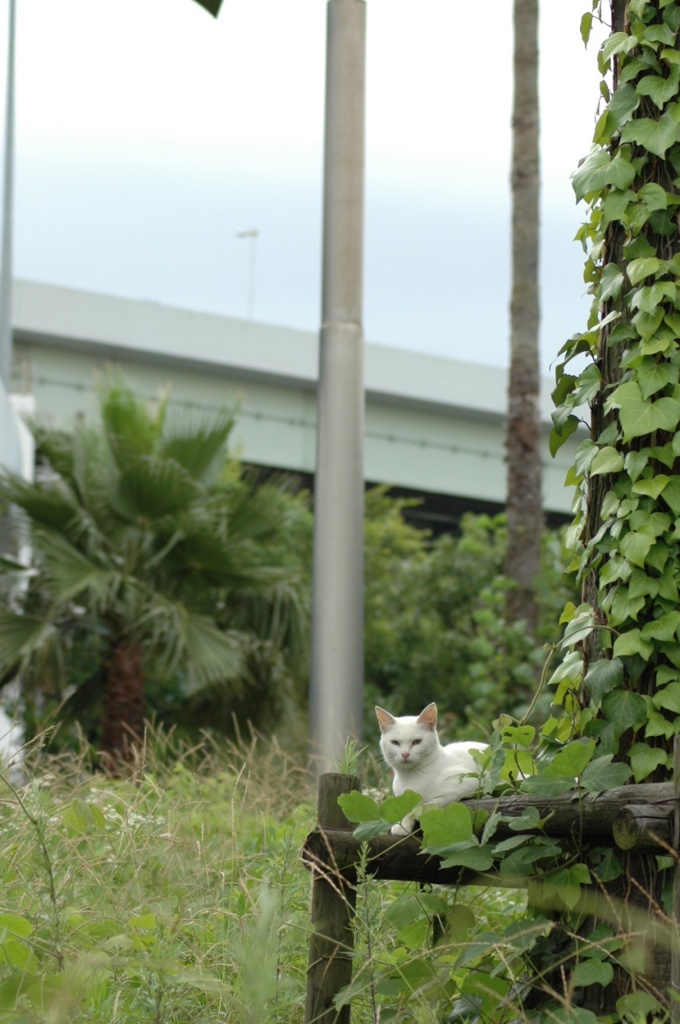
{"x":637,"y":817}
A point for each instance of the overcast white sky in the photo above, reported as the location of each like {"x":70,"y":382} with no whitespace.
{"x":149,"y":134}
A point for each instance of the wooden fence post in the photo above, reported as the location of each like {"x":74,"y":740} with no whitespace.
{"x":333,"y":907}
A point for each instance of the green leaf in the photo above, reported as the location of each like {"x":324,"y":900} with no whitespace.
{"x":656,"y":136}
{"x":13,"y":924}
{"x":368,"y":830}
{"x":474,"y":858}
{"x":359,"y":807}
{"x":592,"y":972}
{"x":643,"y":267}
{"x":570,"y":762}
{"x":624,"y":710}
{"x":659,"y":89}
{"x":668,"y":697}
{"x":645,"y":759}
{"x":601,"y":774}
{"x":639,"y":416}
{"x":654,"y":197}
{"x":21,"y":635}
{"x":637,"y":1006}
{"x":611,"y":281}
{"x":598,"y":170}
{"x":394,"y":808}
{"x":654,"y":376}
{"x":665,"y":628}
{"x":671,"y":494}
{"x":445,"y":826}
{"x":602,"y":676}
{"x":635,"y":546}
{"x":647,"y":324}
{"x":607,"y":460}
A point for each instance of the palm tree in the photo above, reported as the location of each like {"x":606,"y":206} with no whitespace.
{"x":153,"y":556}
{"x":523,"y":434}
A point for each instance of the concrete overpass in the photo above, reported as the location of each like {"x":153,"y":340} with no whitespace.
{"x":434,"y":426}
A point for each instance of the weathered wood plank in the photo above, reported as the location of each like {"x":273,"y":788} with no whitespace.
{"x":584,"y":817}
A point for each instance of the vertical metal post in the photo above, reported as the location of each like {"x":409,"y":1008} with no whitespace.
{"x":7,"y":202}
{"x":337,"y":612}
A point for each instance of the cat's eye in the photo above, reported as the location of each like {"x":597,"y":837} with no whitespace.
{"x":414,"y":743}
{"x":395,"y":743}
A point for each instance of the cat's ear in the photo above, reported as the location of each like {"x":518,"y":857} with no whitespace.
{"x":385,"y":719}
{"x":428,"y":717}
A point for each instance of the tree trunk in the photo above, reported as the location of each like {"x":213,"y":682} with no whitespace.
{"x":123,"y":703}
{"x":524,"y":500}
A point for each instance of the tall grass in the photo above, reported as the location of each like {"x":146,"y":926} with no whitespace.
{"x":178,"y":896}
{"x":174,"y":895}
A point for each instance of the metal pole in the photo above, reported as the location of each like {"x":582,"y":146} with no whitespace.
{"x":337,"y":610}
{"x":252,"y":234}
{"x":8,"y":176}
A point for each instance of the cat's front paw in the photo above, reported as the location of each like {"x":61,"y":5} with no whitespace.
{"x":403,"y":828}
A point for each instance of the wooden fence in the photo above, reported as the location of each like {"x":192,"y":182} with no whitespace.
{"x":636,"y":818}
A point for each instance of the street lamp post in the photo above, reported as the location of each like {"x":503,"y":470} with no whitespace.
{"x":7,"y":202}
{"x":252,"y":234}
{"x":336,"y":685}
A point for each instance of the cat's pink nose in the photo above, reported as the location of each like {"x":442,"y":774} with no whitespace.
{"x":405,"y":754}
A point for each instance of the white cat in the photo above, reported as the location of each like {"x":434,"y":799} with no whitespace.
{"x":411,"y":747}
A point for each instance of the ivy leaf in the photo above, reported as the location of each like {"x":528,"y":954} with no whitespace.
{"x":623,"y":709}
{"x":611,"y":282}
{"x":444,"y":826}
{"x":645,"y":759}
{"x":571,"y":760}
{"x":623,"y":104}
{"x":658,"y":725}
{"x":602,"y":676}
{"x":665,"y":628}
{"x":668,"y":697}
{"x":607,"y":460}
{"x":359,"y":807}
{"x":630,"y":643}
{"x":475,"y":858}
{"x":635,"y":546}
{"x":637,"y":1005}
{"x":542,"y":785}
{"x":638,"y":415}
{"x":652,"y":487}
{"x":656,"y":136}
{"x":653,"y":376}
{"x":598,"y":170}
{"x":638,"y":270}
{"x":370,"y":829}
{"x":601,"y":774}
{"x":654,"y":197}
{"x":671,"y":494}
{"x":647,"y":323}
{"x":592,"y":972}
{"x":659,"y":89}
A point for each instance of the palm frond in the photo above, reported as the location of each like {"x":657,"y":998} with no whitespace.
{"x":152,"y":487}
{"x":21,"y":636}
{"x":50,"y":506}
{"x":70,"y":574}
{"x":130,"y":426}
{"x":193,"y":641}
{"x":198,"y":443}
